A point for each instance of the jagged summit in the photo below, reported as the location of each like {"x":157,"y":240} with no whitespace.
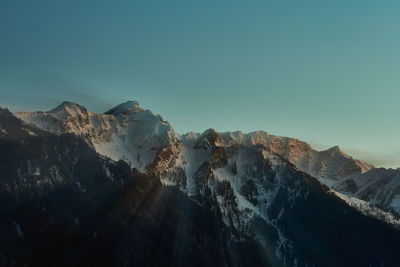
{"x":67,"y":105}
{"x":207,"y":139}
{"x":334,"y":149}
{"x":68,"y":109}
{"x":210,"y":132}
{"x":124,"y":108}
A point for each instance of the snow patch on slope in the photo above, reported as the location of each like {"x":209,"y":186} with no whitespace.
{"x":244,"y":205}
{"x":368,"y":209}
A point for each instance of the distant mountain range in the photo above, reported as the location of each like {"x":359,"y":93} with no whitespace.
{"x":140,"y":137}
{"x":123,"y":188}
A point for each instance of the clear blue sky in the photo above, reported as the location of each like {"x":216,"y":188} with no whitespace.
{"x":327,"y":72}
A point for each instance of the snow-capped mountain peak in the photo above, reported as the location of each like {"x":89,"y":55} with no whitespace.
{"x":334,"y":149}
{"x":207,"y":139}
{"x":68,"y":109}
{"x":125,"y":108}
{"x":126,"y":132}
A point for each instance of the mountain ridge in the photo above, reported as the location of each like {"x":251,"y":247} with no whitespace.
{"x":148,"y":143}
{"x":259,"y":202}
{"x":254,"y":137}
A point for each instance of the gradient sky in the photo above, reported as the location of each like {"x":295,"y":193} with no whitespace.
{"x":327,"y":72}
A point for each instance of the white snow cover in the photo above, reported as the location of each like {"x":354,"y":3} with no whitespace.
{"x":332,"y":163}
{"x":129,"y":132}
{"x":368,"y":208}
{"x":136,"y":135}
{"x":126,"y":132}
{"x":378,"y":186}
{"x":67,"y":109}
{"x":244,"y":205}
{"x":191,"y":160}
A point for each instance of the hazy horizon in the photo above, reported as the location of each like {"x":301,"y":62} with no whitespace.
{"x":324,"y":73}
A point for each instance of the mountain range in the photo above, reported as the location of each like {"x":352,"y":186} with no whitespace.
{"x":123,"y":188}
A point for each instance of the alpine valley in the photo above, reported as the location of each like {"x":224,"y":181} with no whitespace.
{"x":122,"y":188}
